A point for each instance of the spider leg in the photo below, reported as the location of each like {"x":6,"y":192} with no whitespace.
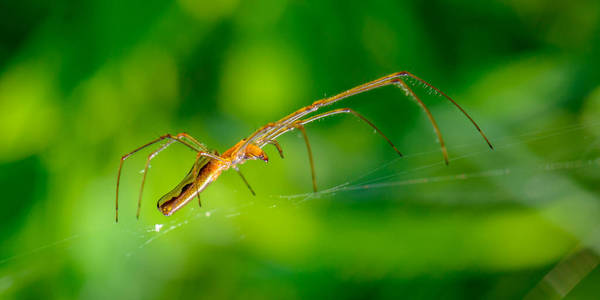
{"x":273,"y":129}
{"x":245,"y":181}
{"x":276,"y":144}
{"x":193,"y":140}
{"x":396,"y":79}
{"x":405,"y":73}
{"x":310,"y":156}
{"x":350,"y":111}
{"x":198,"y":188}
{"x":400,"y":83}
{"x":300,"y":125}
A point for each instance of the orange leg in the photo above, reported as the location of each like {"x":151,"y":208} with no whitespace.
{"x":268,"y":132}
{"x":350,"y":111}
{"x":299,"y":124}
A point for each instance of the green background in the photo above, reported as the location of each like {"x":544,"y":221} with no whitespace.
{"x":82,"y":83}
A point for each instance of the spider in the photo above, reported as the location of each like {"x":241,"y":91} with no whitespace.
{"x":209,"y":164}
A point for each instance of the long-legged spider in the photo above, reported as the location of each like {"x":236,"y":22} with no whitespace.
{"x":209,"y":164}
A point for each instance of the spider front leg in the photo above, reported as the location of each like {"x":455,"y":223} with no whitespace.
{"x":401,"y":84}
{"x":300,"y":125}
{"x":392,"y":79}
{"x":349,"y":111}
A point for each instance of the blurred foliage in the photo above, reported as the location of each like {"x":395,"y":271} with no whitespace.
{"x":82,"y":83}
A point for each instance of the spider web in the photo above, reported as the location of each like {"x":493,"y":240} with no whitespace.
{"x":558,"y":282}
